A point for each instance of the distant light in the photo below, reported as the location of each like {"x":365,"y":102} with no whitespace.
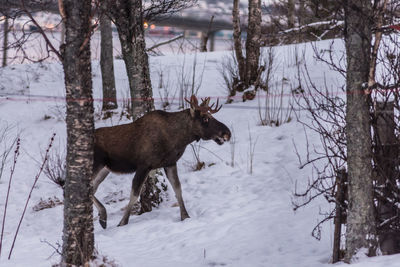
{"x":152,"y":26}
{"x":145,"y":25}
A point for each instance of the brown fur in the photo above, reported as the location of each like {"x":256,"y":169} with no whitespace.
{"x":157,"y":140}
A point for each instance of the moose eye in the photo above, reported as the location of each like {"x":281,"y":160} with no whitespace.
{"x":204,"y":120}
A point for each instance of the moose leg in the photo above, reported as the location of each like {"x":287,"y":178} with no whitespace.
{"x":137,"y":185}
{"x":172,"y":175}
{"x":100,"y":176}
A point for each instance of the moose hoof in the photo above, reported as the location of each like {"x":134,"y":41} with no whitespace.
{"x":184,"y":216}
{"x":122,"y":223}
{"x":103,"y":223}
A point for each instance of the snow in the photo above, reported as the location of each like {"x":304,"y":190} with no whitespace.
{"x":237,"y":218}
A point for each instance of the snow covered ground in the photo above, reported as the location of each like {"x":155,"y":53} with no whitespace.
{"x":238,"y":218}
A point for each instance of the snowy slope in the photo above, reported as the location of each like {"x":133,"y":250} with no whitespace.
{"x":237,"y":218}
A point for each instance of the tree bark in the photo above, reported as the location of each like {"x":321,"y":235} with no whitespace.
{"x":361,"y":227}
{"x":302,"y":13}
{"x":253,"y":41}
{"x":5,"y":42}
{"x":128,"y":17}
{"x":78,"y":238}
{"x":237,"y":41}
{"x":291,"y":9}
{"x":107,"y":65}
{"x":205,"y":36}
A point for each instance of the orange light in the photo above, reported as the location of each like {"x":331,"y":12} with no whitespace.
{"x":152,"y":26}
{"x":145,"y":25}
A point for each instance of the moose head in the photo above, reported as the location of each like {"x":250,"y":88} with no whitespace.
{"x":205,"y":126}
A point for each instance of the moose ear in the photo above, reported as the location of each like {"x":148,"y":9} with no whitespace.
{"x":193,"y":104}
{"x":192,"y":111}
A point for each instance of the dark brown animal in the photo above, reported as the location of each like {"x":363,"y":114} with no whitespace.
{"x":157,"y":140}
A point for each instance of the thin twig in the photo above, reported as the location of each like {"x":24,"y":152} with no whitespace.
{"x":16,"y":154}
{"x":30,"y":193}
{"x":165,"y":42}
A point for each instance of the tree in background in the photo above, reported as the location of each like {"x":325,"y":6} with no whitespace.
{"x":78,"y":237}
{"x":248,"y":65}
{"x":107,"y":65}
{"x":127,"y":16}
{"x":5,"y":41}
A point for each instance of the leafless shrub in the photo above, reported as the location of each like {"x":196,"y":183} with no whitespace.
{"x":325,"y":109}
{"x":196,"y":155}
{"x":55,"y":167}
{"x":189,"y":82}
{"x":325,"y":114}
{"x":231,"y":80}
{"x":230,"y":74}
{"x":58,"y":111}
{"x":6,"y":144}
{"x":275,"y":111}
{"x":164,"y":90}
{"x":126,"y":107}
{"x":156,"y":10}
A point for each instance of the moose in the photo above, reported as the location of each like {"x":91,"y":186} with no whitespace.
{"x":156,"y":140}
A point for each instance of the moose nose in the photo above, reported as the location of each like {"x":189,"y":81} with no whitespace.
{"x":227,"y":136}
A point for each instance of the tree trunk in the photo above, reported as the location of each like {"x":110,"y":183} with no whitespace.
{"x":5,"y":42}
{"x":291,"y":9}
{"x":361,"y":227}
{"x":237,"y":41}
{"x":129,"y":21}
{"x":340,"y":198}
{"x":107,"y":65}
{"x":253,"y":41}
{"x":205,"y":36}
{"x":302,"y":12}
{"x":203,"y":42}
{"x":78,"y":238}
{"x":127,"y":15}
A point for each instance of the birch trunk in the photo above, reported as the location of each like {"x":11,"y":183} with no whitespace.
{"x":291,"y":9}
{"x":361,"y":226}
{"x":128,"y":18}
{"x":78,"y":238}
{"x":237,"y":40}
{"x":253,"y":41}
